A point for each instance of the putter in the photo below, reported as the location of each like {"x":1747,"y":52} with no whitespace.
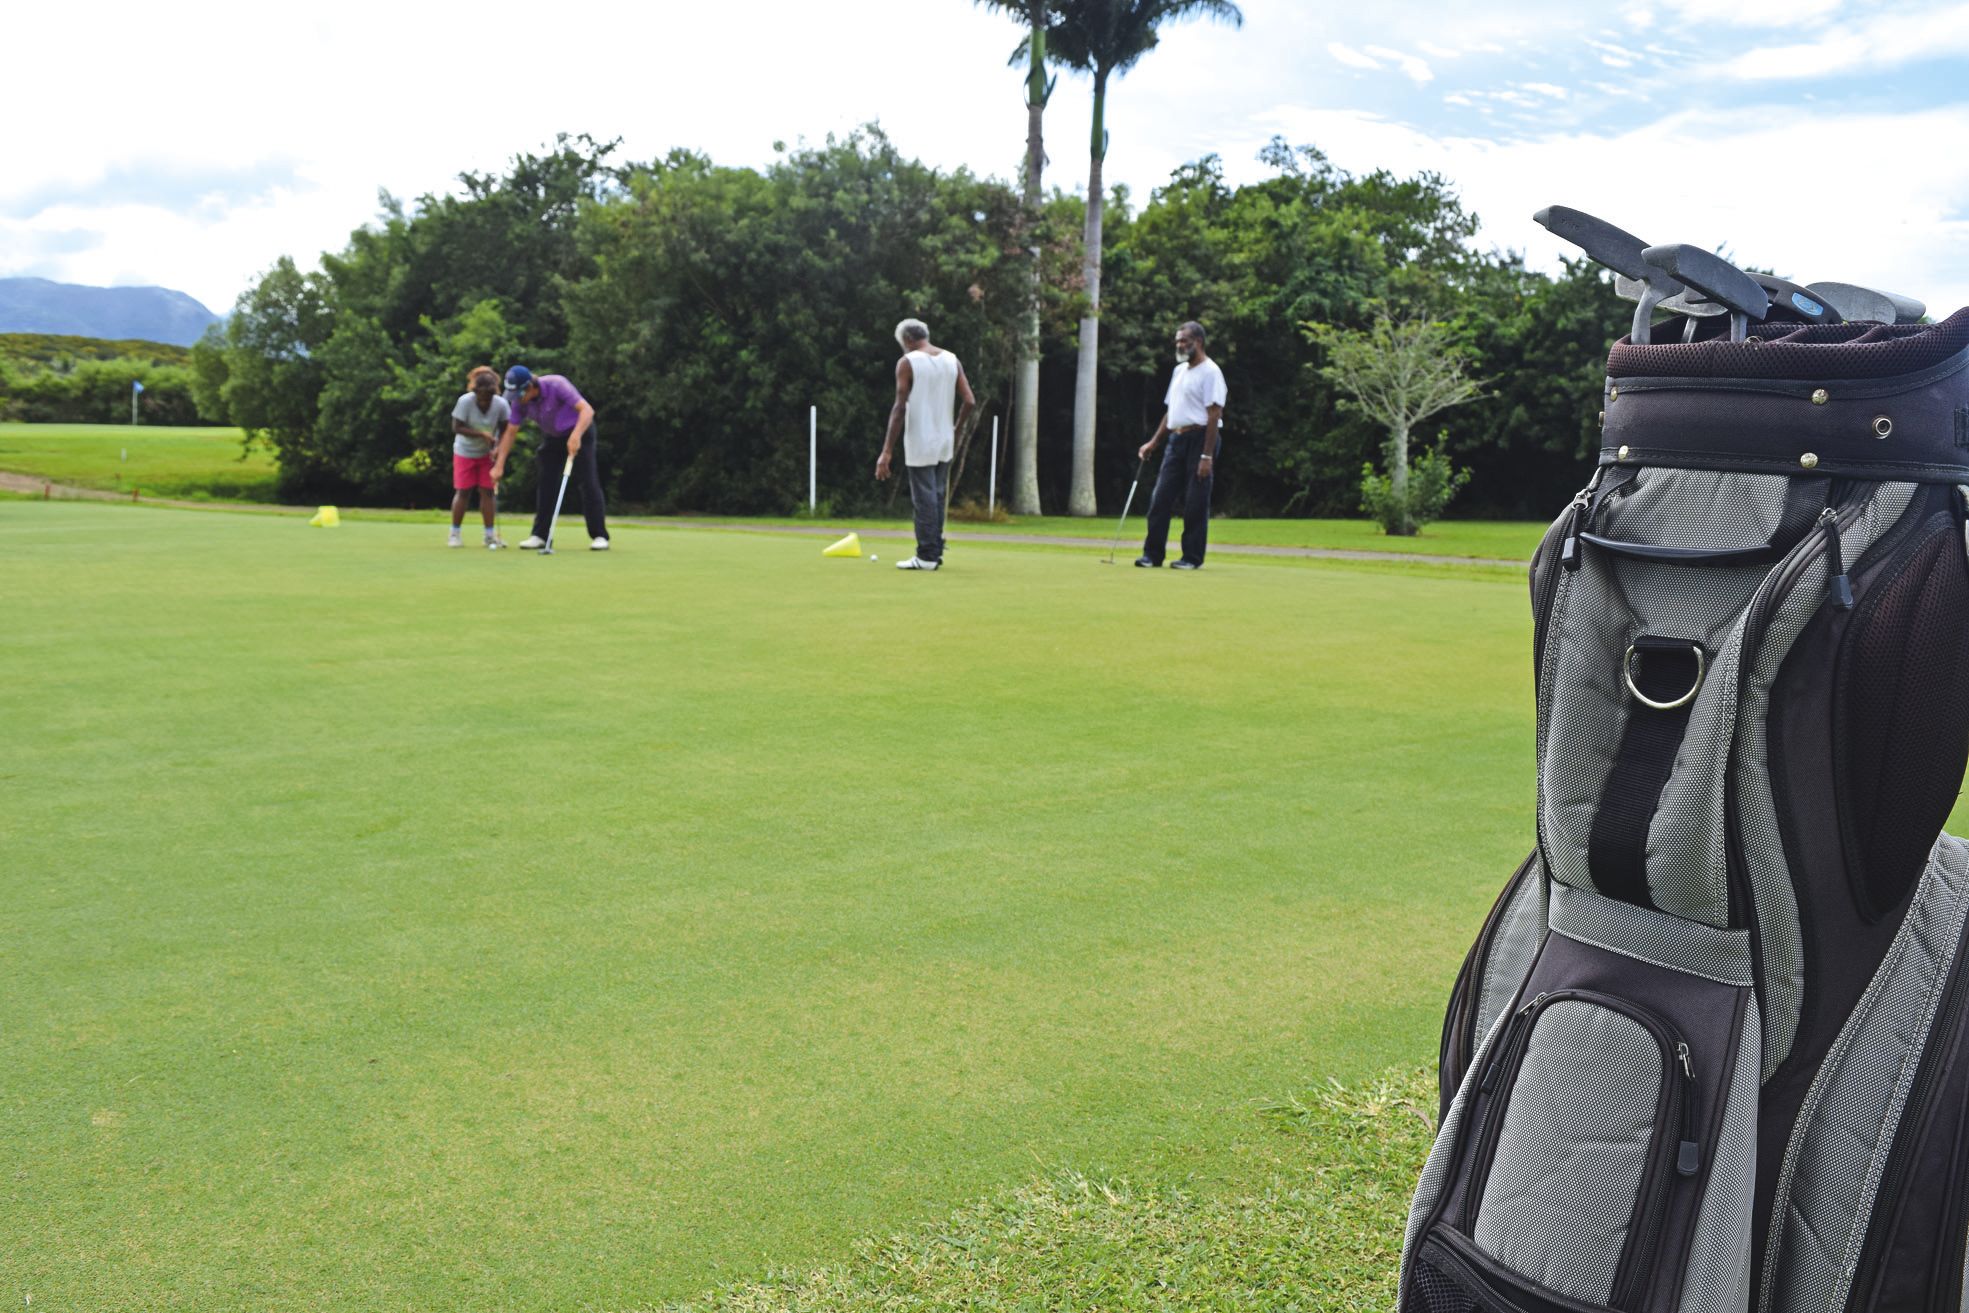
{"x":1789,"y":300}
{"x":1856,"y":302}
{"x":1717,"y":280}
{"x":1672,"y":284}
{"x":567,"y":469}
{"x":1620,"y":251}
{"x":1130,"y":501}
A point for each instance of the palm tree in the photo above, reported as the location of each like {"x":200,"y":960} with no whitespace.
{"x":1106,"y":38}
{"x":1037,"y":15}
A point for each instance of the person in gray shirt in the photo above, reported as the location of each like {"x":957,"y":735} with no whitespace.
{"x":476,"y":423}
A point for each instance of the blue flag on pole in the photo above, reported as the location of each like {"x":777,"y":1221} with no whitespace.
{"x":135,"y":386}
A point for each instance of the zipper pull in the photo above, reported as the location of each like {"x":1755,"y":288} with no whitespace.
{"x":1842,"y":587}
{"x":1569,"y":545}
{"x":1688,"y":1156}
{"x":1504,"y":1042}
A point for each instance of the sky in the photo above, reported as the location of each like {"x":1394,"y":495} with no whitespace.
{"x":191,"y":146}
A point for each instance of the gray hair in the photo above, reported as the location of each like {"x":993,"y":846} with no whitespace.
{"x":912,"y":330}
{"x":1195,"y":330}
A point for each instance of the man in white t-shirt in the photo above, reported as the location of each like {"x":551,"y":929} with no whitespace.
{"x":930,"y":383}
{"x":1195,"y":411}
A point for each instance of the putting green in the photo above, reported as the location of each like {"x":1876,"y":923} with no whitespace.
{"x":392,"y":927}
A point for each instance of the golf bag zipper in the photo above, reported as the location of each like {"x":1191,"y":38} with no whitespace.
{"x":1577,"y":516}
{"x":1771,"y":594}
{"x":1688,"y":1154}
{"x":1510,"y":1049}
{"x":1674,"y":1111}
{"x":1915,"y":1114}
{"x":1840,"y":588}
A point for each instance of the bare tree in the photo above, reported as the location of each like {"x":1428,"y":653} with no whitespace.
{"x":1398,"y":373}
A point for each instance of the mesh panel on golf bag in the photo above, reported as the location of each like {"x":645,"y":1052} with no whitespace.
{"x":1432,"y":1292}
{"x":1807,"y":351}
{"x":1902,"y":724}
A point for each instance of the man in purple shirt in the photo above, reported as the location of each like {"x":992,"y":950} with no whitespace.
{"x":567,"y":428}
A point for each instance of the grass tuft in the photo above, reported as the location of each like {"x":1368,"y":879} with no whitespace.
{"x":1319,"y":1230}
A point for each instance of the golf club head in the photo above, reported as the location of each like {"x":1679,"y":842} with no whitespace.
{"x":1870,"y":304}
{"x":1717,"y":280}
{"x":1686,"y":303}
{"x":1620,"y":251}
{"x":1616,"y":248}
{"x":1790,"y":301}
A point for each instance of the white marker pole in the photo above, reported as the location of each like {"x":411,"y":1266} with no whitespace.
{"x":991,"y":497}
{"x":813,"y":458}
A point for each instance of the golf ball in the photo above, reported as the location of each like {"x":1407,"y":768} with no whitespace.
{"x":873,"y":557}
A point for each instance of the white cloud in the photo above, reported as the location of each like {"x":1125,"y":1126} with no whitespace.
{"x":199,"y":157}
{"x":1415,"y":69}
{"x":1614,"y":56}
{"x":1883,"y":40}
{"x":1351,"y":57}
{"x":1748,"y":13}
{"x":1918,"y":245}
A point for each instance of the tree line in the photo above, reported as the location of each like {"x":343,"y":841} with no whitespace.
{"x":51,"y":378}
{"x":703,"y":308}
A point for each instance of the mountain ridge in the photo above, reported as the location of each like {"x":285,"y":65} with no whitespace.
{"x":154,"y":314}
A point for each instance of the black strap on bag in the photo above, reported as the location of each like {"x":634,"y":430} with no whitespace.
{"x":1663,"y":676}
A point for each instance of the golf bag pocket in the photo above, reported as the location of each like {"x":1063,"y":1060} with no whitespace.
{"x":1901,"y":713}
{"x":1605,"y":1140}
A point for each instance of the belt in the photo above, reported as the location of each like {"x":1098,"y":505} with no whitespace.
{"x":1194,"y":428}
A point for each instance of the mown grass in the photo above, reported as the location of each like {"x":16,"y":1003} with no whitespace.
{"x":392,"y":927}
{"x":163,"y":462}
{"x":198,"y":463}
{"x":1313,"y":1222}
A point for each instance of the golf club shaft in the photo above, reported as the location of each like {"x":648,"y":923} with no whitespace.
{"x":559,"y":497}
{"x":1126,"y":503}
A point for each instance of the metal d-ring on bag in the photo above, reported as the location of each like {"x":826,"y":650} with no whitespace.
{"x":1710,"y":1050}
{"x":1640,"y":646}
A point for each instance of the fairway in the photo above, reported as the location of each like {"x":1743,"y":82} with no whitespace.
{"x":160,"y":462}
{"x":400,"y":928}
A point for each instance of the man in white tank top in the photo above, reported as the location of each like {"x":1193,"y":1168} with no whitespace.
{"x":930,"y":383}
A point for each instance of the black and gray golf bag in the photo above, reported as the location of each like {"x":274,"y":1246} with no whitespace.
{"x":1707,"y":1054}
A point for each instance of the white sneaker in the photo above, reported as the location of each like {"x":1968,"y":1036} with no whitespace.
{"x":456,"y":540}
{"x":917,"y":563}
{"x":599,"y":545}
{"x":532,"y":543}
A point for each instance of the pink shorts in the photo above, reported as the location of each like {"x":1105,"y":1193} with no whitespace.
{"x":470,"y":471}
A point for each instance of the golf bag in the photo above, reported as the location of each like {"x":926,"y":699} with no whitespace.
{"x":1707,"y":1054}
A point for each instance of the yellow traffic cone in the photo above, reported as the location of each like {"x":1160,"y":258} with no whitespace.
{"x":326,"y":518}
{"x":849,"y":546}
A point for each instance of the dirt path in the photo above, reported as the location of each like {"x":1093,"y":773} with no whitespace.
{"x":38,"y":487}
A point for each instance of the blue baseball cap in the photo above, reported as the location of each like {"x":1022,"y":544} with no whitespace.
{"x":516,"y":380}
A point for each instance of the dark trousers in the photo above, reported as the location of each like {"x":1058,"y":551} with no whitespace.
{"x":926,"y":489}
{"x":1177,"y":479}
{"x":587,"y":478}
